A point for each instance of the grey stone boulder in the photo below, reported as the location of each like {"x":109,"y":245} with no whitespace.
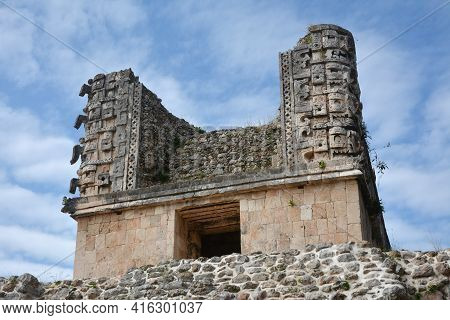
{"x":30,"y":286}
{"x":423,"y":271}
{"x":395,"y":292}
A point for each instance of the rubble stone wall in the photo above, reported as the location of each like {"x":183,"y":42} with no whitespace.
{"x":228,"y":152}
{"x":343,"y":271}
{"x":160,"y":135}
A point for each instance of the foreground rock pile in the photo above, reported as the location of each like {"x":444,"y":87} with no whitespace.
{"x":346,"y":271}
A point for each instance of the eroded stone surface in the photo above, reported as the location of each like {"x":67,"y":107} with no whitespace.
{"x":282,"y":276}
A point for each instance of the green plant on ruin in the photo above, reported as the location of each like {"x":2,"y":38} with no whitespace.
{"x":394,"y":254}
{"x":380,"y":165}
{"x":292,"y":203}
{"x":13,"y":280}
{"x":201,"y":175}
{"x":344,"y":285}
{"x":417,"y":296}
{"x":322,"y":164}
{"x":307,"y":39}
{"x":365,"y":132}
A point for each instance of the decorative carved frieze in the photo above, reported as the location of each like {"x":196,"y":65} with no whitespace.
{"x":107,"y":128}
{"x":319,"y":78}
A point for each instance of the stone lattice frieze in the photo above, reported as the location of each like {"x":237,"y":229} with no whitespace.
{"x":229,"y":152}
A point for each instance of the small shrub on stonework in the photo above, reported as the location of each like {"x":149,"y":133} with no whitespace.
{"x":322,"y":164}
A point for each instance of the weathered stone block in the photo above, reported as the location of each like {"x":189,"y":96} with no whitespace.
{"x":340,"y":208}
{"x":353,"y":212}
{"x":354,"y":232}
{"x":319,"y":211}
{"x":306,"y":212}
{"x":310,"y":228}
{"x":322,"y":226}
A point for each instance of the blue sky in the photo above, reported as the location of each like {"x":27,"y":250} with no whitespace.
{"x":214,"y":64}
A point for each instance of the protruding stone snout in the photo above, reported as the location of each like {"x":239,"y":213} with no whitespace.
{"x":80,"y":120}
{"x":74,"y":184}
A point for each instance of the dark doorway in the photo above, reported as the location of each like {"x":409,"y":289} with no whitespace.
{"x":220,"y":244}
{"x":208,"y":230}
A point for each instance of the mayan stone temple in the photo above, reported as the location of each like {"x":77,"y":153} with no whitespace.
{"x":154,"y":187}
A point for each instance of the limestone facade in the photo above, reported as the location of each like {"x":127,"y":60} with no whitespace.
{"x":278,"y":219}
{"x":154,"y":187}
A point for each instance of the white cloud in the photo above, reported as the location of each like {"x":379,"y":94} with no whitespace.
{"x":19,"y":266}
{"x":2,"y":175}
{"x":250,"y":108}
{"x":34,"y":244}
{"x":102,"y":31}
{"x":17,"y":60}
{"x":34,"y":154}
{"x":417,"y":236}
{"x":28,"y":208}
{"x":390,"y":86}
{"x":424,"y":191}
{"x":243,"y":39}
{"x":419,"y":170}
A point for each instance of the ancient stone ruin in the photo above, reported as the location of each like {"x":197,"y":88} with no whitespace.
{"x":154,"y":187}
{"x":338,"y":272}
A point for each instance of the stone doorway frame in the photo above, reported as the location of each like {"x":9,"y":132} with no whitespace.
{"x":192,"y":222}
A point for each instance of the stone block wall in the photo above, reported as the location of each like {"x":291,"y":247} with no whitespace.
{"x":290,"y":218}
{"x":270,"y":220}
{"x":108,"y":244}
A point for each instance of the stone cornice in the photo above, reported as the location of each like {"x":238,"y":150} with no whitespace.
{"x":149,"y":196}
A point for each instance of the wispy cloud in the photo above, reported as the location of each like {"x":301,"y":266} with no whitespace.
{"x":34,"y":244}
{"x":390,"y":88}
{"x":17,"y":60}
{"x":21,"y":266}
{"x":35,"y":153}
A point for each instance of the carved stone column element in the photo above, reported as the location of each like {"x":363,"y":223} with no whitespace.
{"x":320,"y":108}
{"x":111,"y":111}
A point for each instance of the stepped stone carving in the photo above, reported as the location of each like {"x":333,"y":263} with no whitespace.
{"x":148,"y":178}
